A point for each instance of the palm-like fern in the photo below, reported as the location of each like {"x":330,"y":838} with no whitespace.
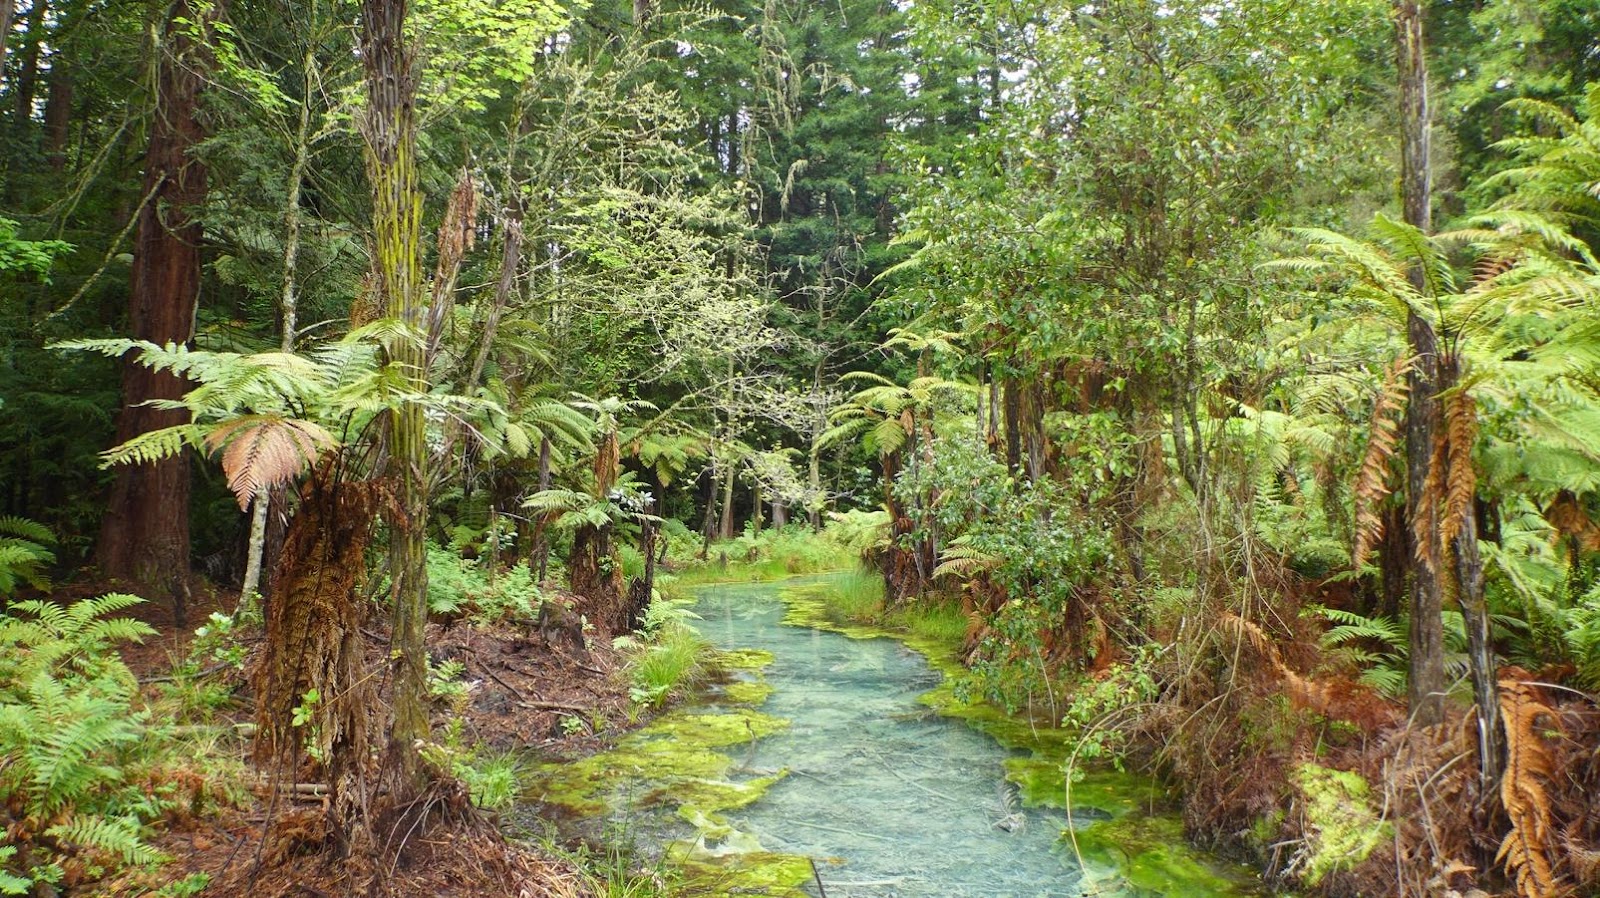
{"x":271,"y":415}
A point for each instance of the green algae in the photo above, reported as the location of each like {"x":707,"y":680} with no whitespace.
{"x":1149,"y":856}
{"x":741,"y":659}
{"x":746,"y":692}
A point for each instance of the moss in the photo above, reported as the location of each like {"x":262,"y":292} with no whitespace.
{"x":1148,"y":855}
{"x":703,"y":798}
{"x":1342,"y":826}
{"x":739,"y":873}
{"x":741,"y":659}
{"x":746,"y":692}
{"x":678,"y":749}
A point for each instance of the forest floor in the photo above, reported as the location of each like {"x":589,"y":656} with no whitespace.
{"x":519,"y":693}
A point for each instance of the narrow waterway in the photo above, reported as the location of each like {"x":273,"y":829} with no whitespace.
{"x":892,"y":800}
{"x":824,"y":771}
{"x":901,"y":802}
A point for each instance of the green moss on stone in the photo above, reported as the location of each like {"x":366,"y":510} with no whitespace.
{"x":1147,"y":855}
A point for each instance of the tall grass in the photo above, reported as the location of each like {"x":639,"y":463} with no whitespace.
{"x":671,"y":663}
{"x":855,"y":597}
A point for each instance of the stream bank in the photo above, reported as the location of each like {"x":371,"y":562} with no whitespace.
{"x":836,"y":759}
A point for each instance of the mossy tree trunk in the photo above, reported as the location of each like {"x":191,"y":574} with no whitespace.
{"x":390,"y":132}
{"x":1426,"y":683}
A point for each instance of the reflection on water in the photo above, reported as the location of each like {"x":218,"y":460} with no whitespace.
{"x":891,"y":800}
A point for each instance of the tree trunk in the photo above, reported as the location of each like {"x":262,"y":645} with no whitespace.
{"x":708,"y":526}
{"x":145,"y":534}
{"x":57,"y":112}
{"x":596,"y":579}
{"x":288,"y":311}
{"x":1011,"y":396}
{"x":390,"y":132}
{"x":8,"y":9}
{"x":539,"y":561}
{"x":1426,"y":686}
{"x":725,"y":531}
{"x":27,"y":83}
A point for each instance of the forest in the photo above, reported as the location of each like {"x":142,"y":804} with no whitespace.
{"x":392,"y":392}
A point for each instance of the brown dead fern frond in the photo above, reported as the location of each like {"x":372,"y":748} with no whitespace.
{"x":1529,"y":849}
{"x":1461,"y":476}
{"x":263,"y":452}
{"x":1425,"y":516}
{"x":1568,"y":516}
{"x":1373,"y":483}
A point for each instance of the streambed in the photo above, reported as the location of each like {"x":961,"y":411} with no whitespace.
{"x":845,"y":766}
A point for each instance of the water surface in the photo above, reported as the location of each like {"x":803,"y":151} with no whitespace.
{"x":897,"y":801}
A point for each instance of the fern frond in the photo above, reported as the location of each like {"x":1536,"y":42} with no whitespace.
{"x":1461,"y":475}
{"x":262,"y":452}
{"x":1373,"y":483}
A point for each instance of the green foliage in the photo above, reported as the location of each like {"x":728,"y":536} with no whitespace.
{"x":24,"y":554}
{"x":69,"y":728}
{"x":462,"y":587}
{"x":27,"y":258}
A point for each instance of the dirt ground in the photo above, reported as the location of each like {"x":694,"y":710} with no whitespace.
{"x":523,"y":693}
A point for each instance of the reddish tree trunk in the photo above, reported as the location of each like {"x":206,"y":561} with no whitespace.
{"x":145,"y":534}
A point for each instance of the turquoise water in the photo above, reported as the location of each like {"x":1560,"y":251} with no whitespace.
{"x":892,"y":801}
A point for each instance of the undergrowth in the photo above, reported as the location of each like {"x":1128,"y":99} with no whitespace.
{"x":775,"y":553}
{"x":91,"y":764}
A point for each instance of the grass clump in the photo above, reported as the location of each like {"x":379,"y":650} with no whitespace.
{"x":855,"y":597}
{"x":672,"y":662}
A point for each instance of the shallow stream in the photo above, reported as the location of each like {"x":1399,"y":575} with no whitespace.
{"x":886,"y":797}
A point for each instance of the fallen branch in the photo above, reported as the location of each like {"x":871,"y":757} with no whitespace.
{"x":554,"y":706}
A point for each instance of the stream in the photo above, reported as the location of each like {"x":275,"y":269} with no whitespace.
{"x":887,"y":798}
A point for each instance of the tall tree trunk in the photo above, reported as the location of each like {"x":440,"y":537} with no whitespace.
{"x":390,"y":132}
{"x":145,"y":534}
{"x":8,"y":10}
{"x":57,"y":112}
{"x":1426,"y":685}
{"x":27,"y":83}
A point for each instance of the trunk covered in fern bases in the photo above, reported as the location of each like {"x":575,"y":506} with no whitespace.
{"x":390,"y":131}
